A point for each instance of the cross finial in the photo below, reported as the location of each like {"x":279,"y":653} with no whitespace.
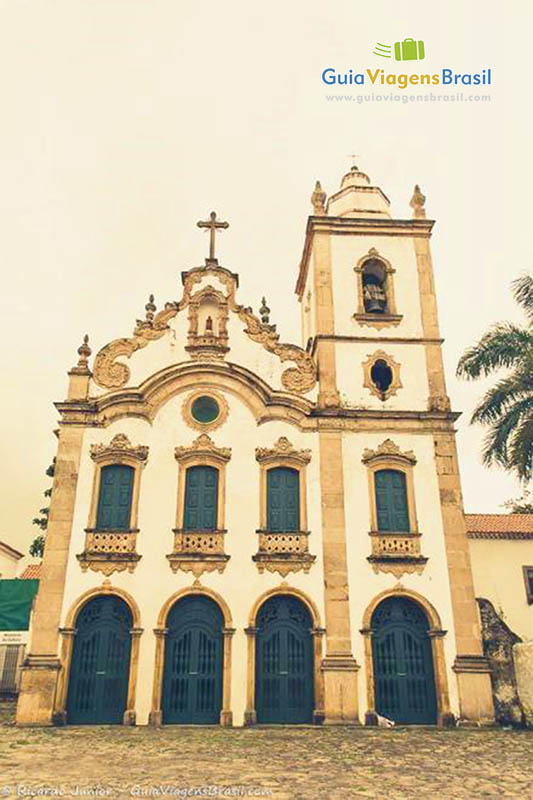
{"x":212,"y":225}
{"x":353,"y":156}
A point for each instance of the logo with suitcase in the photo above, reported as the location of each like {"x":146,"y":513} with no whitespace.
{"x":407,"y":50}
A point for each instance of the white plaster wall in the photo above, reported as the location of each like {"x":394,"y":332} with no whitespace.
{"x":8,"y":566}
{"x":497,"y":569}
{"x":153,"y":582}
{"x":412,"y":396}
{"x":346,"y":252}
{"x":364,"y":583}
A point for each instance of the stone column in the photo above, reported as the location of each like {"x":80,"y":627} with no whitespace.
{"x":42,"y":664}
{"x":250,"y":714}
{"x":339,"y":666}
{"x":226,"y":714}
{"x":471,"y":668}
{"x":155,"y":717}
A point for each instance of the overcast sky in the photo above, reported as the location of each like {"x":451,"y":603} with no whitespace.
{"x":124,"y":122}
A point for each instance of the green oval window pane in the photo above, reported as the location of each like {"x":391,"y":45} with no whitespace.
{"x":205,"y":409}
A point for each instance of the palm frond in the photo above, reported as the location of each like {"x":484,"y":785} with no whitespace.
{"x":521,"y":448}
{"x":498,"y":442}
{"x":504,"y":345}
{"x":523,"y":293}
{"x":507,"y":391}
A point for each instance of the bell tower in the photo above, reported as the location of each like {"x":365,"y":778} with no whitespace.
{"x":369,"y":317}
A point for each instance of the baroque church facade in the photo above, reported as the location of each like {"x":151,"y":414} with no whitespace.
{"x":245,"y":531}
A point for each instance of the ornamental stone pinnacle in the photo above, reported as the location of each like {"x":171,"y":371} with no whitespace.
{"x":84,"y":351}
{"x":318,"y":199}
{"x":417,"y":203}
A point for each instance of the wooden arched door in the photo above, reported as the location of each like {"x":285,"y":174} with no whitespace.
{"x":404,"y":680}
{"x":100,"y":668}
{"x":192,"y":674}
{"x":284,"y":685}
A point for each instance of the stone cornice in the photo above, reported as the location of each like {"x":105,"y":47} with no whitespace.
{"x":500,"y":534}
{"x":370,"y":339}
{"x":339,"y":226}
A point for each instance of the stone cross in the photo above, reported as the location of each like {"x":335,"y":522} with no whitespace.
{"x":212,"y":224}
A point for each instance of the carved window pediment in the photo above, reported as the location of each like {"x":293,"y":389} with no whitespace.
{"x":202,"y":447}
{"x":119,"y":448}
{"x":390,"y":451}
{"x":281,"y":450}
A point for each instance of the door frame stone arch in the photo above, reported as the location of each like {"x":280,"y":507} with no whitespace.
{"x":226,"y":715}
{"x":317,"y":632}
{"x":436,"y":634}
{"x":68,"y":633}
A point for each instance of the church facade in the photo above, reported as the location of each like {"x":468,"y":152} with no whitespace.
{"x":245,"y":531}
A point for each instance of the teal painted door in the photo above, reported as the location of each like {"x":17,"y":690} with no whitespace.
{"x":283,"y":499}
{"x":114,"y":501}
{"x":192,"y":675}
{"x":391,"y":500}
{"x":201,"y":499}
{"x":98,"y":684}
{"x":284,"y":685}
{"x":403,"y":663}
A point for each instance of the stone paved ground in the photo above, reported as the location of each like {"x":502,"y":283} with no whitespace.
{"x":284,"y":763}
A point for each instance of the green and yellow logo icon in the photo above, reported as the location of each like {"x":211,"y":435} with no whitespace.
{"x":408,"y":50}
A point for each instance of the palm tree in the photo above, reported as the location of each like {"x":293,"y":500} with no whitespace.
{"x":507,"y":408}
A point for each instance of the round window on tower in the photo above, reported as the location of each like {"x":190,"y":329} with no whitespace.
{"x":205,"y":409}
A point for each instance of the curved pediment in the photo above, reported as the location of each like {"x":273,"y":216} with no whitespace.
{"x":209,"y":299}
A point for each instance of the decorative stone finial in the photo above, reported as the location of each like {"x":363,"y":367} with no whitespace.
{"x":84,"y":351}
{"x":417,"y":203}
{"x":318,"y":199}
{"x":150,"y":309}
{"x":264,"y":312}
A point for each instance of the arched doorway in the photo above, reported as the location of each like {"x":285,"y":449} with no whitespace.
{"x":284,"y":686}
{"x":99,"y":674}
{"x":404,"y":681}
{"x":192,"y":673}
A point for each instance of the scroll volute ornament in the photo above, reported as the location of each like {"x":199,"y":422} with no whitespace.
{"x":388,"y":449}
{"x":282,"y":449}
{"x":119,"y":448}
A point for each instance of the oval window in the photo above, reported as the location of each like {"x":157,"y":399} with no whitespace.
{"x":205,"y":409}
{"x":381,"y":375}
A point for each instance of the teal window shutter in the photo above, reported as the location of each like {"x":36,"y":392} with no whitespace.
{"x":114,"y":501}
{"x":201,"y":499}
{"x":283,"y":499}
{"x":391,"y":500}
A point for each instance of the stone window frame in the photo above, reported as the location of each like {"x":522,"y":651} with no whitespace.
{"x":529,"y":594}
{"x":118,"y":452}
{"x":202,"y":453}
{"x":205,"y":426}
{"x":394,"y":366}
{"x":391,"y":318}
{"x":283,"y":454}
{"x":389,"y":456}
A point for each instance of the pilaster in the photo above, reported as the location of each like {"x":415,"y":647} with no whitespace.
{"x":41,"y":667}
{"x":328,"y":395}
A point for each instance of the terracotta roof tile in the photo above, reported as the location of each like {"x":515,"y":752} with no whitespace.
{"x":499,"y":525}
{"x":31,"y":572}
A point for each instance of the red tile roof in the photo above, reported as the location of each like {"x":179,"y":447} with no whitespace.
{"x":499,"y":526}
{"x":31,"y":572}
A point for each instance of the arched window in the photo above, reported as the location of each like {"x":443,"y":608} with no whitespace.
{"x":375,"y":287}
{"x":201,"y":499}
{"x":114,"y":500}
{"x":283,"y":499}
{"x":391,"y":500}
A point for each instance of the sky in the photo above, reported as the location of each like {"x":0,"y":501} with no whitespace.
{"x":125,"y":122}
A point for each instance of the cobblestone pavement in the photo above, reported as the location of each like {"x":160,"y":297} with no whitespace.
{"x":285,"y":763}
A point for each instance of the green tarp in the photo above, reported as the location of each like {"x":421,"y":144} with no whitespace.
{"x":16,"y":598}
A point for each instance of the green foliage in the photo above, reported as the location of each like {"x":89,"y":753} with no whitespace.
{"x":520,"y":505}
{"x":37,"y":546}
{"x":507,"y":407}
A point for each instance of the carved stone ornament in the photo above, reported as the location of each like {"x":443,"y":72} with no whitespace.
{"x":388,"y":449}
{"x":282,"y":449}
{"x":399,"y":567}
{"x":395,"y":384}
{"x":109,"y":551}
{"x":208,"y":342}
{"x":283,"y":552}
{"x":198,"y":552}
{"x":118,"y":448}
{"x":112,"y":374}
{"x":202,"y":446}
